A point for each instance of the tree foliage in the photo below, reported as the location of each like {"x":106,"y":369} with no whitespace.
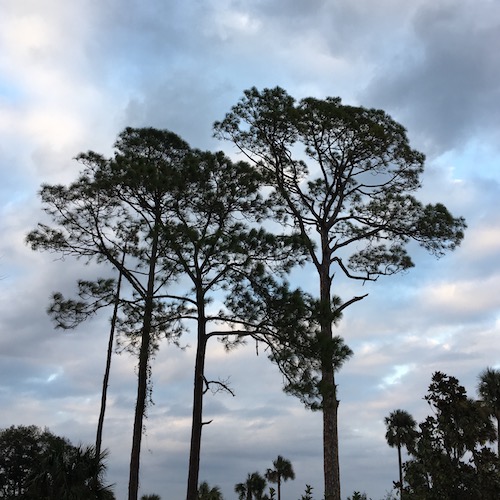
{"x":212,"y":238}
{"x":489,"y":393}
{"x":450,"y":459}
{"x":282,"y":471}
{"x":205,"y":492}
{"x":357,"y":496}
{"x":116,"y":208}
{"x":401,"y":431}
{"x":307,"y":493}
{"x":252,"y":489}
{"x":37,"y":465}
{"x":353,"y":182}
{"x":288,"y":321}
{"x":345,"y":177}
{"x":161,"y":213}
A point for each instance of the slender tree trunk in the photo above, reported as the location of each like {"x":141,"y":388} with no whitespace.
{"x":330,"y":439}
{"x":142,"y":376}
{"x":400,"y":473}
{"x":329,"y":391}
{"x":279,"y":488}
{"x":140,"y":406}
{"x":197,"y":423}
{"x":105,"y":381}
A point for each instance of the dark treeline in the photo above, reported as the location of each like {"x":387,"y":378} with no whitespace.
{"x":180,"y":227}
{"x":38,"y":465}
{"x":449,"y":453}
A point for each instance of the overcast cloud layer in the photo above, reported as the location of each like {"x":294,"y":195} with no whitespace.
{"x":74,"y":74}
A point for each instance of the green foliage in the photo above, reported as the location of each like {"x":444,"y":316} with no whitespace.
{"x":205,"y":492}
{"x":307,"y":493}
{"x":401,"y":431}
{"x":252,"y":489}
{"x":489,"y":393}
{"x":360,"y":173}
{"x":282,"y":471}
{"x":345,"y":177}
{"x":93,"y":296}
{"x":449,"y":459}
{"x":113,"y":214}
{"x":38,"y":465}
{"x":489,"y":389}
{"x":358,"y":496}
{"x":151,"y":497}
{"x":155,"y":211}
{"x":289,"y":323}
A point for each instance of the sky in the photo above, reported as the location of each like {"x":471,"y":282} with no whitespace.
{"x":74,"y":74}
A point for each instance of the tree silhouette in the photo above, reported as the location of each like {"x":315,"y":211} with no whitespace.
{"x":37,"y":465}
{"x":213,"y":239}
{"x":71,"y":472}
{"x":252,"y":489}
{"x":205,"y":492}
{"x":117,"y":206}
{"x":283,"y":471}
{"x":345,"y":176}
{"x":307,"y":493}
{"x":69,"y":313}
{"x":401,"y":431}
{"x":489,"y":392}
{"x":450,"y":459}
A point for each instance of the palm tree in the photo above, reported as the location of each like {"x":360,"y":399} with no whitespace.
{"x":207,"y":493}
{"x":71,"y":472}
{"x":283,"y":470}
{"x":252,"y":488}
{"x":401,"y":431}
{"x":489,"y":392}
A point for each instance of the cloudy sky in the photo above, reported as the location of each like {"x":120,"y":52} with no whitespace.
{"x":74,"y":74}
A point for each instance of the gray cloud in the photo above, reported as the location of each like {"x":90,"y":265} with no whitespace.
{"x":445,"y":91}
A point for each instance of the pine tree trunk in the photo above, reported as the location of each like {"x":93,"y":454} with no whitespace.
{"x":329,"y":392}
{"x":330,"y":441}
{"x":142,"y":376}
{"x":142,"y":385}
{"x":197,"y":424}
{"x":105,"y":381}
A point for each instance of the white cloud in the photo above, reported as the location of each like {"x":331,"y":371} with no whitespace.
{"x":462,"y":299}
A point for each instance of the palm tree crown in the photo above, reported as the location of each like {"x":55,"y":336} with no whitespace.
{"x":252,"y":488}
{"x":400,"y":432}
{"x":205,"y":492}
{"x":400,"y":429}
{"x":489,"y":392}
{"x":283,"y":470}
